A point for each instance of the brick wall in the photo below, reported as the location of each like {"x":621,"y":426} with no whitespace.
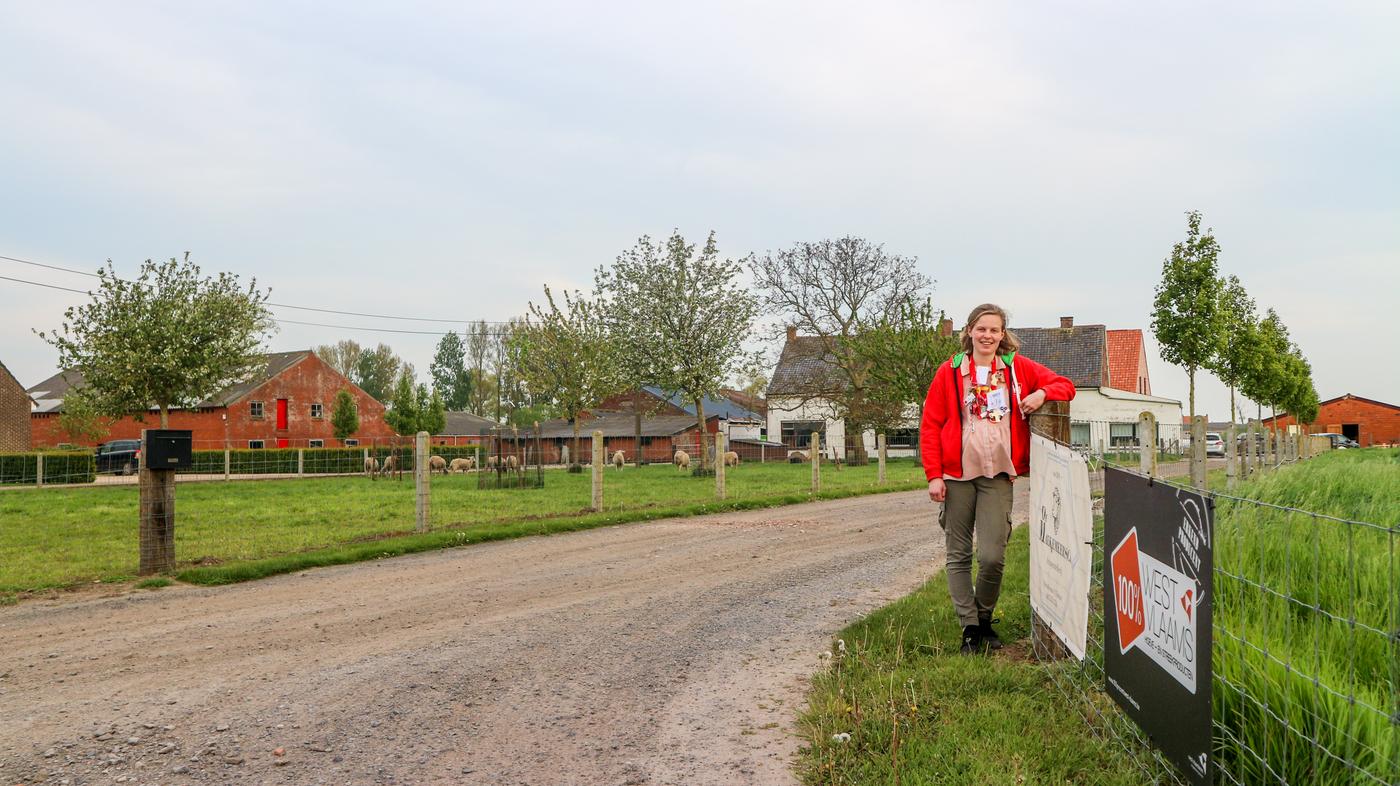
{"x":14,"y":413}
{"x":1377,"y":424}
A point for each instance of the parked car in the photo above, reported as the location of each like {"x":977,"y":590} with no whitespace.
{"x":120,"y":455}
{"x":1215,"y":446}
{"x":1340,"y":441}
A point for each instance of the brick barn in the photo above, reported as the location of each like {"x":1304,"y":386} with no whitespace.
{"x":15,"y":406}
{"x":1365,"y":420}
{"x":662,"y":435}
{"x":286,"y":404}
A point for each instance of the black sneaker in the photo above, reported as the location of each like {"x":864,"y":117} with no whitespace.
{"x":989,"y":636}
{"x":972,"y":640}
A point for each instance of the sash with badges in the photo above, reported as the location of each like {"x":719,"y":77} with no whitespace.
{"x":987,"y":399}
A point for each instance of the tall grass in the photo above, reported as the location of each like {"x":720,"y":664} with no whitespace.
{"x":1307,"y":623}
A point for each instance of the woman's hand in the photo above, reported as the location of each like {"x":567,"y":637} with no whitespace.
{"x":936,"y":490}
{"x":1032,"y":402}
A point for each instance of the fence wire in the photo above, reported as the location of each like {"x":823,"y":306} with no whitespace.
{"x":1306,"y":638}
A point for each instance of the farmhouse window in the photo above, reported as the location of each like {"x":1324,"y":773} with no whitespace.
{"x":350,"y":443}
{"x":798,"y":433}
{"x":255,"y":444}
{"x":1122,"y":434}
{"x":255,"y":410}
{"x":1079,"y":434}
{"x":901,"y":438}
{"x":316,"y":443}
{"x":316,"y":413}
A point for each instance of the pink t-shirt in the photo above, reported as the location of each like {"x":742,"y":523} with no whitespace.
{"x":986,"y":444}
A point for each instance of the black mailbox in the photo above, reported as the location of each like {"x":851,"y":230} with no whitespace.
{"x":163,"y":448}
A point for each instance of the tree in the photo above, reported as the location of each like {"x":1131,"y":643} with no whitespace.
{"x":480,"y":337}
{"x":343,"y":356}
{"x":402,"y":414}
{"x":834,"y":290}
{"x":170,"y":338}
{"x":901,"y":355}
{"x":377,"y":369}
{"x":432,"y":416}
{"x":450,"y":375}
{"x":679,"y":319}
{"x":564,"y":356}
{"x":345,"y":415}
{"x":1238,"y":350}
{"x":1186,"y":317}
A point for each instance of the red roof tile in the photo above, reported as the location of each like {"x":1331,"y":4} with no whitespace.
{"x":1124,"y":357}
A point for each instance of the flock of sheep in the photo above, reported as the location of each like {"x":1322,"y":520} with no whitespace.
{"x":374,"y":469}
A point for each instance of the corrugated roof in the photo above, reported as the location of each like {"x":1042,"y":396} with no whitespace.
{"x":1078,"y":352}
{"x":805,"y":368}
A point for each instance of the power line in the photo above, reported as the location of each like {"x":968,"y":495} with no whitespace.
{"x":49,"y":286}
{"x":276,"y":305}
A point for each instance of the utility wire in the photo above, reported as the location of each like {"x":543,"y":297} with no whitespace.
{"x":276,"y":305}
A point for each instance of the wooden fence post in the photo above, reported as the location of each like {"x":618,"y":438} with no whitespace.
{"x":1147,"y":445}
{"x":157,"y":511}
{"x":39,"y":469}
{"x":1231,"y":451}
{"x":815,"y":449}
{"x":1198,"y":451}
{"x":721,"y":445}
{"x":597,"y":470}
{"x":880,"y":449}
{"x":421,"y":480}
{"x":1052,"y":422}
{"x":301,"y":462}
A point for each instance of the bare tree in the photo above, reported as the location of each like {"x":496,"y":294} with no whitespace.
{"x":833,"y":290}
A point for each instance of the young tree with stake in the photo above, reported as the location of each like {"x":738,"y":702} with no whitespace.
{"x":1186,"y":317}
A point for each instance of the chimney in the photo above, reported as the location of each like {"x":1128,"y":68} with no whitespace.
{"x":945,"y":327}
{"x":792,"y":332}
{"x":1066,"y":322}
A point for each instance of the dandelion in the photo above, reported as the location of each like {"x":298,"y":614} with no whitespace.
{"x":842,"y":737}
{"x":841,"y":646}
{"x":824,"y":655}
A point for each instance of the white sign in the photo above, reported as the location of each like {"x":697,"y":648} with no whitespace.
{"x":1156,"y":605}
{"x":1062,"y":530}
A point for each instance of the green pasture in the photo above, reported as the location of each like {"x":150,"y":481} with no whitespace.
{"x":55,"y":537}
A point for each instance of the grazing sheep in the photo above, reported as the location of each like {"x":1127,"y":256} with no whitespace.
{"x":797,"y":457}
{"x":512,"y":463}
{"x":731,"y":459}
{"x":371,"y":467}
{"x":681,"y":460}
{"x":460,"y":465}
{"x":437,"y":464}
{"x":492,"y":462}
{"x":391,"y":464}
{"x":619,"y":459}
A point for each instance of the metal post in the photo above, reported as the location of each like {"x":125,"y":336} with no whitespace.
{"x":720,"y":447}
{"x":597,"y":470}
{"x":39,"y":469}
{"x":880,"y":449}
{"x":421,"y":480}
{"x":816,"y":458}
{"x":1198,"y":451}
{"x":1147,"y":446}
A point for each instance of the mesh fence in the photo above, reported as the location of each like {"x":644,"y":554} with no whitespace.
{"x":1306,"y":635}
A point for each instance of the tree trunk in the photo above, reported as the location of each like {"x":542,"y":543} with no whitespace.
{"x":700,"y":418}
{"x":1191,"y":375}
{"x":573,"y":459}
{"x":164,"y":416}
{"x":918,"y":438}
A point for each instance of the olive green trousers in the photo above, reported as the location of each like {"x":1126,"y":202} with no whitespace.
{"x":981,"y":506}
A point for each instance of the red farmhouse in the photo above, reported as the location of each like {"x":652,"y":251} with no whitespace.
{"x":1365,"y":420}
{"x":287,"y":404}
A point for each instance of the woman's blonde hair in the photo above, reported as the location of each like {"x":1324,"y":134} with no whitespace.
{"x":1009,"y":342}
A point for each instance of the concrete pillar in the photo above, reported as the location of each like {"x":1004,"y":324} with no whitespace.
{"x":1198,"y":451}
{"x":597,"y":470}
{"x":880,"y":450}
{"x":421,"y":481}
{"x":816,"y":458}
{"x":39,"y":469}
{"x":301,"y":462}
{"x":1147,"y":443}
{"x":721,"y":445}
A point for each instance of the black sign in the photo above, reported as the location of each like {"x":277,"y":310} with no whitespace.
{"x":1157,"y":595}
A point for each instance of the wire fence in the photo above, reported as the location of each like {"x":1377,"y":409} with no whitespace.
{"x":1306,"y":628}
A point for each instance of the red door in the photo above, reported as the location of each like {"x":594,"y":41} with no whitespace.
{"x":281,"y":442}
{"x":281,"y":414}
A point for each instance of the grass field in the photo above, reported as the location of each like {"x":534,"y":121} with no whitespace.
{"x":918,"y":712}
{"x":227,"y":531}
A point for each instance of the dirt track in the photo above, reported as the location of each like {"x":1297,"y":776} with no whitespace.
{"x":673,"y":652}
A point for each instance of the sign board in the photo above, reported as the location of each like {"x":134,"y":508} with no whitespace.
{"x":1062,"y":532}
{"x":1157,"y":600}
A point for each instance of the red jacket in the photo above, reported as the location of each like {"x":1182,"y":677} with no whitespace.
{"x":940,"y":431}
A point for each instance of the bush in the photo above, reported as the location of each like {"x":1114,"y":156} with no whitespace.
{"x":60,"y":466}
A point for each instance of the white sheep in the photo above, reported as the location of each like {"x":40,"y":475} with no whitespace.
{"x":618,"y":459}
{"x":681,"y":460}
{"x":731,"y":459}
{"x":391,"y":464}
{"x":461,"y":465}
{"x":371,"y":466}
{"x":437,"y":464}
{"x":512,"y":463}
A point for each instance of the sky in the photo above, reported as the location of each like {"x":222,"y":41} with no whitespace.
{"x":449,"y":160}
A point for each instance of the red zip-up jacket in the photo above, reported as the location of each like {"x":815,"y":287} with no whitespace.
{"x":940,"y":431}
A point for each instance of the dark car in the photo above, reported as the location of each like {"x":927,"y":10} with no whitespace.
{"x":119,"y":455}
{"x":1340,"y":441}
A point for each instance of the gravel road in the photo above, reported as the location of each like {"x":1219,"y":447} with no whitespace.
{"x":672,"y":652}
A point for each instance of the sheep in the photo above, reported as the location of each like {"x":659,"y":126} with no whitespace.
{"x":797,"y":457}
{"x":492,"y":462}
{"x":391,"y":464}
{"x":618,"y":459}
{"x":731,"y":459}
{"x":461,"y":465}
{"x":512,"y":463}
{"x":681,"y":460}
{"x":371,"y":467}
{"x":437,"y":464}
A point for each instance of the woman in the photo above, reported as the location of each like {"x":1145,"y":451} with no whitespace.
{"x":975,"y":440}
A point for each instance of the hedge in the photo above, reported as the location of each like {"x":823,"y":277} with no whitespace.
{"x":60,"y":466}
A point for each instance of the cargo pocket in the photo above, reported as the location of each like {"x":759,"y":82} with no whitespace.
{"x":943,"y":514}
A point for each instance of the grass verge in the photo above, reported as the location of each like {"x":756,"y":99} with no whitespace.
{"x":918,"y":712}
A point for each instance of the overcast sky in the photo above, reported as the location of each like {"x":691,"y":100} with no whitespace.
{"x":447,"y":162}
